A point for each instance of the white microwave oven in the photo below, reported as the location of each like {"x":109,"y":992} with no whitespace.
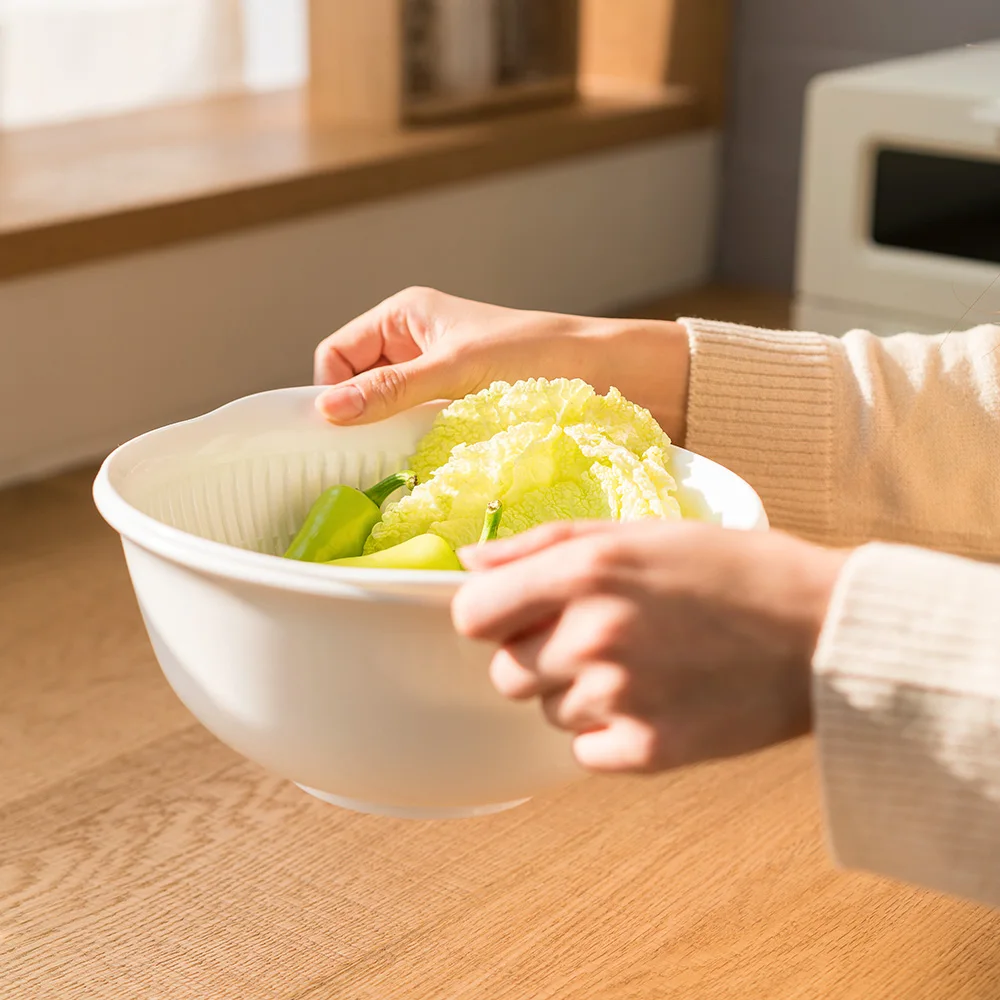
{"x":899,"y":209}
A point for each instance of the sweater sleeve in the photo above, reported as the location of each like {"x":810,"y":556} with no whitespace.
{"x":906,"y":694}
{"x":859,"y":438}
{"x":899,"y":439}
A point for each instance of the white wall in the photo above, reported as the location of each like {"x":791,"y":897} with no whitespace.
{"x":91,"y":356}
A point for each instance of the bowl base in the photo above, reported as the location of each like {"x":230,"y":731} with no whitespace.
{"x":408,"y":812}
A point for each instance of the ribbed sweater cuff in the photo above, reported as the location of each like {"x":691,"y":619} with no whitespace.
{"x":907,"y":703}
{"x":761,"y":403}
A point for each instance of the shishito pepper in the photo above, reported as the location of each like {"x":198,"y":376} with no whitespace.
{"x":427,"y":551}
{"x":340,"y":521}
{"x":420,"y":552}
{"x":491,"y":523}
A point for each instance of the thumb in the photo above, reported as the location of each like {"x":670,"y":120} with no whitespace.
{"x":388,"y":389}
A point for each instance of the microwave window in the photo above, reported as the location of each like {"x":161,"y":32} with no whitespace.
{"x":938,"y":204}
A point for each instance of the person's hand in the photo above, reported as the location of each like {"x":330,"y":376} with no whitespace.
{"x":658,"y":644}
{"x":422,"y":345}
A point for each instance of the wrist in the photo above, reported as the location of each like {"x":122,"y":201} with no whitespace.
{"x":648,"y":361}
{"x":816,"y":587}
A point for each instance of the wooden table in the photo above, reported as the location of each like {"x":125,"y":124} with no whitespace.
{"x":140,"y":858}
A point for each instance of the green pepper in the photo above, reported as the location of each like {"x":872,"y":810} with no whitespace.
{"x":340,"y":521}
{"x":491,"y":524}
{"x":427,"y":551}
{"x":420,"y":552}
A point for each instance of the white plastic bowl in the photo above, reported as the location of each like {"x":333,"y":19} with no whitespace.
{"x":351,"y":683}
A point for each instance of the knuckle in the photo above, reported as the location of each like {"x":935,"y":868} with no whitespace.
{"x":611,"y":685}
{"x":398,"y":311}
{"x":559,"y":659}
{"x":415,"y":292}
{"x":614,"y":632}
{"x":598,"y":564}
{"x":553,"y":532}
{"x":596,"y":694}
{"x":564,"y":711}
{"x":509,"y":678}
{"x":410,"y":299}
{"x":589,"y":645}
{"x":414,"y":309}
{"x":605,"y":638}
{"x":322,"y":352}
{"x":464,"y":611}
{"x":554,"y":710}
{"x":387,"y":383}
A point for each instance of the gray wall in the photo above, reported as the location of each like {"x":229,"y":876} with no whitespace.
{"x":779,"y":45}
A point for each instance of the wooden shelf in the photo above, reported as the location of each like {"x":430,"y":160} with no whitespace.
{"x":90,"y":190}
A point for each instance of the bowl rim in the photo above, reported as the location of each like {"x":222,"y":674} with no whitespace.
{"x":244,"y":566}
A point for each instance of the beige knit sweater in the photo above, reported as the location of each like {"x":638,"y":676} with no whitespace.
{"x":862,"y":441}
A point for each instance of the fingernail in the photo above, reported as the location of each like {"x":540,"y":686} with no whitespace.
{"x":343,"y":403}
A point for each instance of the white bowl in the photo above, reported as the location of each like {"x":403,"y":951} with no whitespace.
{"x":350,"y":683}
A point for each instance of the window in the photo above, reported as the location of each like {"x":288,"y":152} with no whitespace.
{"x":69,"y":59}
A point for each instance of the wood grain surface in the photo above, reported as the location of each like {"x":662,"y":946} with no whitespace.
{"x":141,"y":859}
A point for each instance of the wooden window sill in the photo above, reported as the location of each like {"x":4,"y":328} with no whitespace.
{"x":85,"y":191}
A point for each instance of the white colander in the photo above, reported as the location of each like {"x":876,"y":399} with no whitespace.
{"x":352,"y":684}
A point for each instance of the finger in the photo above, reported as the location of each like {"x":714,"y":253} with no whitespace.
{"x":513,"y":675}
{"x":384,"y":331}
{"x":504,"y":603}
{"x":623,"y":746}
{"x":557,"y":653}
{"x":534,"y":665}
{"x":506,"y":550}
{"x":589,"y":703}
{"x":390,"y":388}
